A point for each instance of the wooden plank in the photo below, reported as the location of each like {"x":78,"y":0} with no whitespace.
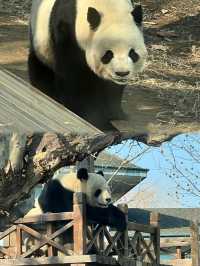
{"x":141,"y":228}
{"x":26,"y":108}
{"x":47,"y":217}
{"x":18,"y":241}
{"x":59,"y":260}
{"x":177,"y":262}
{"x":79,"y":230}
{"x":8,"y":231}
{"x":174,"y":243}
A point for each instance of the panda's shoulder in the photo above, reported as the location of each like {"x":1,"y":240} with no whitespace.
{"x":53,"y":186}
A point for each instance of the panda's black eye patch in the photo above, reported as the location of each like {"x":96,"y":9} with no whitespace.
{"x":107,"y":57}
{"x":133,"y":55}
{"x":97,"y":193}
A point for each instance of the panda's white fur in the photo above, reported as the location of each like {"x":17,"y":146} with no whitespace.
{"x":70,"y":182}
{"x":117,"y":31}
{"x":40,"y":30}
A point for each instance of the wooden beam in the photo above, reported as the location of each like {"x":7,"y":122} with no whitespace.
{"x":174,"y":244}
{"x":46,"y":217}
{"x":155,"y":221}
{"x":195,"y":243}
{"x":178,"y":253}
{"x":59,"y":260}
{"x":141,"y":227}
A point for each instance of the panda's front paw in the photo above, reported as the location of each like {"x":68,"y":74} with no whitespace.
{"x":121,"y":224}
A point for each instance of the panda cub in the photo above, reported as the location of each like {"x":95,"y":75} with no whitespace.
{"x":84,"y":52}
{"x":57,"y":196}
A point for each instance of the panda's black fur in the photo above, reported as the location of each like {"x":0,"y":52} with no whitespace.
{"x":72,"y":82}
{"x":55,"y":198}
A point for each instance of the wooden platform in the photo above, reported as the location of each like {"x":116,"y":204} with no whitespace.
{"x":27,"y":109}
{"x":73,"y":260}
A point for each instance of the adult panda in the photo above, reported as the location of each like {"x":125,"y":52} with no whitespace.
{"x":57,"y":196}
{"x":83,"y":53}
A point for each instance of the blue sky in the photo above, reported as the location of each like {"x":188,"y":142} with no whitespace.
{"x":184,"y":152}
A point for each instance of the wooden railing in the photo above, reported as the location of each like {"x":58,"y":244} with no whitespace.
{"x":90,"y":243}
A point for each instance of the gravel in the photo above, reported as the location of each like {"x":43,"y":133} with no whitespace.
{"x":20,"y":8}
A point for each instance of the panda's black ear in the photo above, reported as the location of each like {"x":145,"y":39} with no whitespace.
{"x":100,"y":173}
{"x":94,"y":18}
{"x":137,"y":14}
{"x":82,"y":174}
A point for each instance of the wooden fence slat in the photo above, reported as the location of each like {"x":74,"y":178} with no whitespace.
{"x":18,"y":241}
{"x":195,"y":243}
{"x":94,"y":238}
{"x":113,"y":243}
{"x":141,"y":228}
{"x":8,"y":231}
{"x":155,"y":221}
{"x":79,"y":232}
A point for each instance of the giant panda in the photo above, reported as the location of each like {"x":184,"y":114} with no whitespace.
{"x":57,"y":196}
{"x":84,"y":52}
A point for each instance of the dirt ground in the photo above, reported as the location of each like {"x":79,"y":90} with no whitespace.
{"x":172,"y":32}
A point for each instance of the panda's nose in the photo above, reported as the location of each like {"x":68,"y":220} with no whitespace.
{"x":122,"y":74}
{"x":108,"y":200}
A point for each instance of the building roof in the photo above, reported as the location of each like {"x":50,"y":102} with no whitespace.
{"x":122,"y":175}
{"x":173,"y":221}
{"x":107,"y":159}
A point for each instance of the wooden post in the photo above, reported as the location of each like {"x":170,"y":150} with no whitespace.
{"x":79,"y":228}
{"x":124,"y":238}
{"x":18,"y":241}
{"x":195,"y":243}
{"x":178,"y":253}
{"x":155,"y":221}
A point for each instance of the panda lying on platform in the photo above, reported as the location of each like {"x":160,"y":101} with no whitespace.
{"x":83,"y":53}
{"x":57,"y":196}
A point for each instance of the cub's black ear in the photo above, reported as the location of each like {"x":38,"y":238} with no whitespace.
{"x":82,"y":174}
{"x":137,"y":14}
{"x":100,"y":173}
{"x":94,"y":18}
